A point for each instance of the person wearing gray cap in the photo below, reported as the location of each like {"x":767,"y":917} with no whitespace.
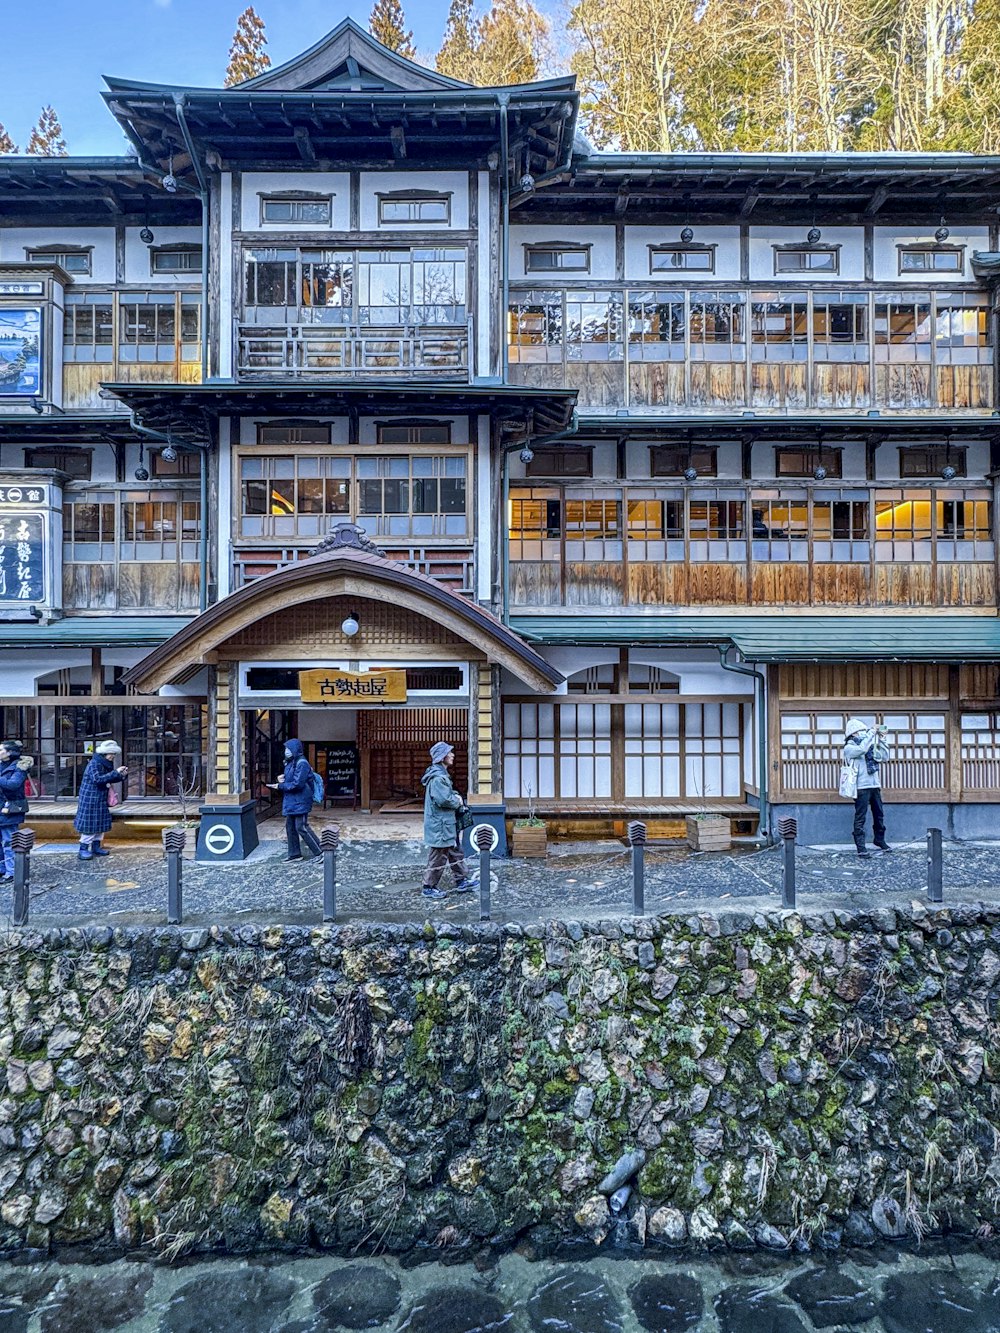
{"x":442,"y":807}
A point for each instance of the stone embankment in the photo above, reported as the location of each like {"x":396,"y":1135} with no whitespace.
{"x":727,"y":1079}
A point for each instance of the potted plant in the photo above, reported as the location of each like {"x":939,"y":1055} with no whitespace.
{"x":530,"y":837}
{"x":709,"y":833}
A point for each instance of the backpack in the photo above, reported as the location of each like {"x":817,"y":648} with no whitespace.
{"x":319,"y":791}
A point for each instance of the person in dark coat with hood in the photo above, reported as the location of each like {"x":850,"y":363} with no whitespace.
{"x":296,"y":787}
{"x":93,"y":814}
{"x":14,"y":770}
{"x":442,"y":805}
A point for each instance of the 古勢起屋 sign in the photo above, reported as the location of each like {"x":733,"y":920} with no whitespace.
{"x":352,"y":687}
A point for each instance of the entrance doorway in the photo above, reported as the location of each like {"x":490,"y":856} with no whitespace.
{"x":268,"y":731}
{"x":394,"y":747}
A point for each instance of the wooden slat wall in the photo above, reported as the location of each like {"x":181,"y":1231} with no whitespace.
{"x":311,"y":629}
{"x":484,"y":734}
{"x":223,"y":731}
{"x":814,"y":682}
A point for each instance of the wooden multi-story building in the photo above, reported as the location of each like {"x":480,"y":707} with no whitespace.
{"x":646,"y":471}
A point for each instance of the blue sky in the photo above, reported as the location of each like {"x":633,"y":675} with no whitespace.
{"x":59,"y":52}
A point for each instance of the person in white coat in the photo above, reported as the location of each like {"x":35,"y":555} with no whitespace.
{"x":866,"y":748}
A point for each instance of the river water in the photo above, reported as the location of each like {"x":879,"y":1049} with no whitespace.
{"x":930,"y":1291}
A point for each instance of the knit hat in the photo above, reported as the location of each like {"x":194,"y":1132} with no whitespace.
{"x":109,"y":747}
{"x":439,"y":750}
{"x":854,"y":724}
{"x":13,"y":748}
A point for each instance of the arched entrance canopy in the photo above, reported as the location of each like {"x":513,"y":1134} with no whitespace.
{"x":347,"y":569}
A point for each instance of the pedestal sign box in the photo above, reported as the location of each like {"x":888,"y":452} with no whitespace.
{"x":226,"y":832}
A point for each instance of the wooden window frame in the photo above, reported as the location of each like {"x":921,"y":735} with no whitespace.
{"x":415,"y":197}
{"x":413,"y":429}
{"x":321,"y":428}
{"x":681,"y":248}
{"x":805,"y":249}
{"x":59,"y":452}
{"x":293,"y":197}
{"x":537,"y":248}
{"x":552,"y":462}
{"x":955,"y":455}
{"x":186,"y":248}
{"x":935,"y":248}
{"x":822,"y":455}
{"x":690,"y":451}
{"x":58,"y":254}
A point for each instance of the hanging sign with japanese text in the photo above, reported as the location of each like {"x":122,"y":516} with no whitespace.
{"x":22,"y":556}
{"x":352,"y":687}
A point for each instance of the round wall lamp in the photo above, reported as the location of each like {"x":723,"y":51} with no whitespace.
{"x":949,"y":473}
{"x":169,"y":454}
{"x":819,"y":473}
{"x":141,"y":472}
{"x":687,"y":235}
{"x":350,"y":625}
{"x":813,"y":235}
{"x":146,"y":236}
{"x":690,"y":474}
{"x":526,"y":454}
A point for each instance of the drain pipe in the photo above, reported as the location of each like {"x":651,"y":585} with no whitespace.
{"x":203,"y":191}
{"x":763,"y":831}
{"x":503,"y":102}
{"x":203,"y":449}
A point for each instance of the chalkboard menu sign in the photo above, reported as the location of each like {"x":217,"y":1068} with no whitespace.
{"x":341,"y":769}
{"x":22,"y":556}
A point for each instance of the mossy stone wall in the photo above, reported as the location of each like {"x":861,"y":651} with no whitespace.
{"x":778,"y":1079}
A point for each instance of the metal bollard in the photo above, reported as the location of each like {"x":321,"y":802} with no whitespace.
{"x":935,"y":867}
{"x":637,"y":839}
{"x":484,"y":843}
{"x":788,"y":831}
{"x":329,"y":841}
{"x":173,"y":844}
{"x":22,"y":840}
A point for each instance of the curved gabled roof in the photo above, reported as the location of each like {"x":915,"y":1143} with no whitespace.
{"x":343,"y":571}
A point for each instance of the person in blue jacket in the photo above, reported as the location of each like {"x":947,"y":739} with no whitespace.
{"x":13,"y":807}
{"x":296,"y":787}
{"x":93,"y":814}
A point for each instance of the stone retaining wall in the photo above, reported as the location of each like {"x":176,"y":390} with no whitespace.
{"x":728,"y":1078}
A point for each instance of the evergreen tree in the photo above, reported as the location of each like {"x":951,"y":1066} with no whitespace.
{"x":503,"y":47}
{"x":247,"y":57}
{"x":47,"y":136}
{"x":7,"y":144}
{"x":388,"y":26}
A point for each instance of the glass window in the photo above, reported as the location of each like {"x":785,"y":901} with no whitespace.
{"x":814,"y":259}
{"x":299,"y":432}
{"x":902,"y":528}
{"x":77,"y":262}
{"x":840,"y":320}
{"x":76,"y":463}
{"x":958,"y":323}
{"x":673,"y":460}
{"x":840,"y":526}
{"x":292,"y":494}
{"x":779,"y":526}
{"x":928,"y":460}
{"x":903,"y":319}
{"x":566,"y":462}
{"x":780,"y":322}
{"x":804,"y":462}
{"x":681,"y":258}
{"x":557,"y":258}
{"x":588,"y":520}
{"x":720,"y":520}
{"x":715,"y":318}
{"x":296,"y":210}
{"x":931,"y":259}
{"x":185,"y":259}
{"x":88,"y":328}
{"x":426,"y":432}
{"x":594,"y":326}
{"x":271,"y":277}
{"x":414,"y":207}
{"x":535,"y":327}
{"x":328,"y":280}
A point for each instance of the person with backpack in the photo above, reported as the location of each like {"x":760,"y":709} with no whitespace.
{"x":14,"y":770}
{"x":865,"y":749}
{"x":300,"y":789}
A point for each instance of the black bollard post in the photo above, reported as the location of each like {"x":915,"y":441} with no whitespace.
{"x":22,"y":840}
{"x":637,"y":839}
{"x":935,"y":867}
{"x":787,"y":831}
{"x":329,"y":841}
{"x":173,"y":844}
{"x":484,"y":839}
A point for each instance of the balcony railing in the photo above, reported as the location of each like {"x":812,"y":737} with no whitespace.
{"x":304,"y":351}
{"x":723,"y":544}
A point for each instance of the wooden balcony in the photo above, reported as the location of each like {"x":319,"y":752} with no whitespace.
{"x":848,"y":545}
{"x":306,"y":351}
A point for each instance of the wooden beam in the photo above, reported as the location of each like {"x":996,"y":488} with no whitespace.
{"x":876,"y":201}
{"x":397,"y":137}
{"x":304,"y":143}
{"x":96,"y":672}
{"x":748,"y":205}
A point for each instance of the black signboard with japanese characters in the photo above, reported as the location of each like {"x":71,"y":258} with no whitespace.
{"x":341,"y":769}
{"x":22,"y":552}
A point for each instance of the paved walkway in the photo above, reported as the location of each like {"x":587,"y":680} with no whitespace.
{"x":381,"y":881}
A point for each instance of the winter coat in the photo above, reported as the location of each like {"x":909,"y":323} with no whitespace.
{"x":297,"y":788}
{"x":13,"y":775}
{"x":92,"y":812}
{"x":856,"y":749}
{"x":441,"y":804}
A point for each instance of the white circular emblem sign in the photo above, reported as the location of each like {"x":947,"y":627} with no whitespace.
{"x":220,"y":839}
{"x":474,"y":839}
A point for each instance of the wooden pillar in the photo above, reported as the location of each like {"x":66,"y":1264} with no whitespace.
{"x":482,"y":731}
{"x":222,"y":704}
{"x":96,"y":672}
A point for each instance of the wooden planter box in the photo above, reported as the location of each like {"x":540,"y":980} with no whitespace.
{"x":529,"y":841}
{"x":709,"y":834}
